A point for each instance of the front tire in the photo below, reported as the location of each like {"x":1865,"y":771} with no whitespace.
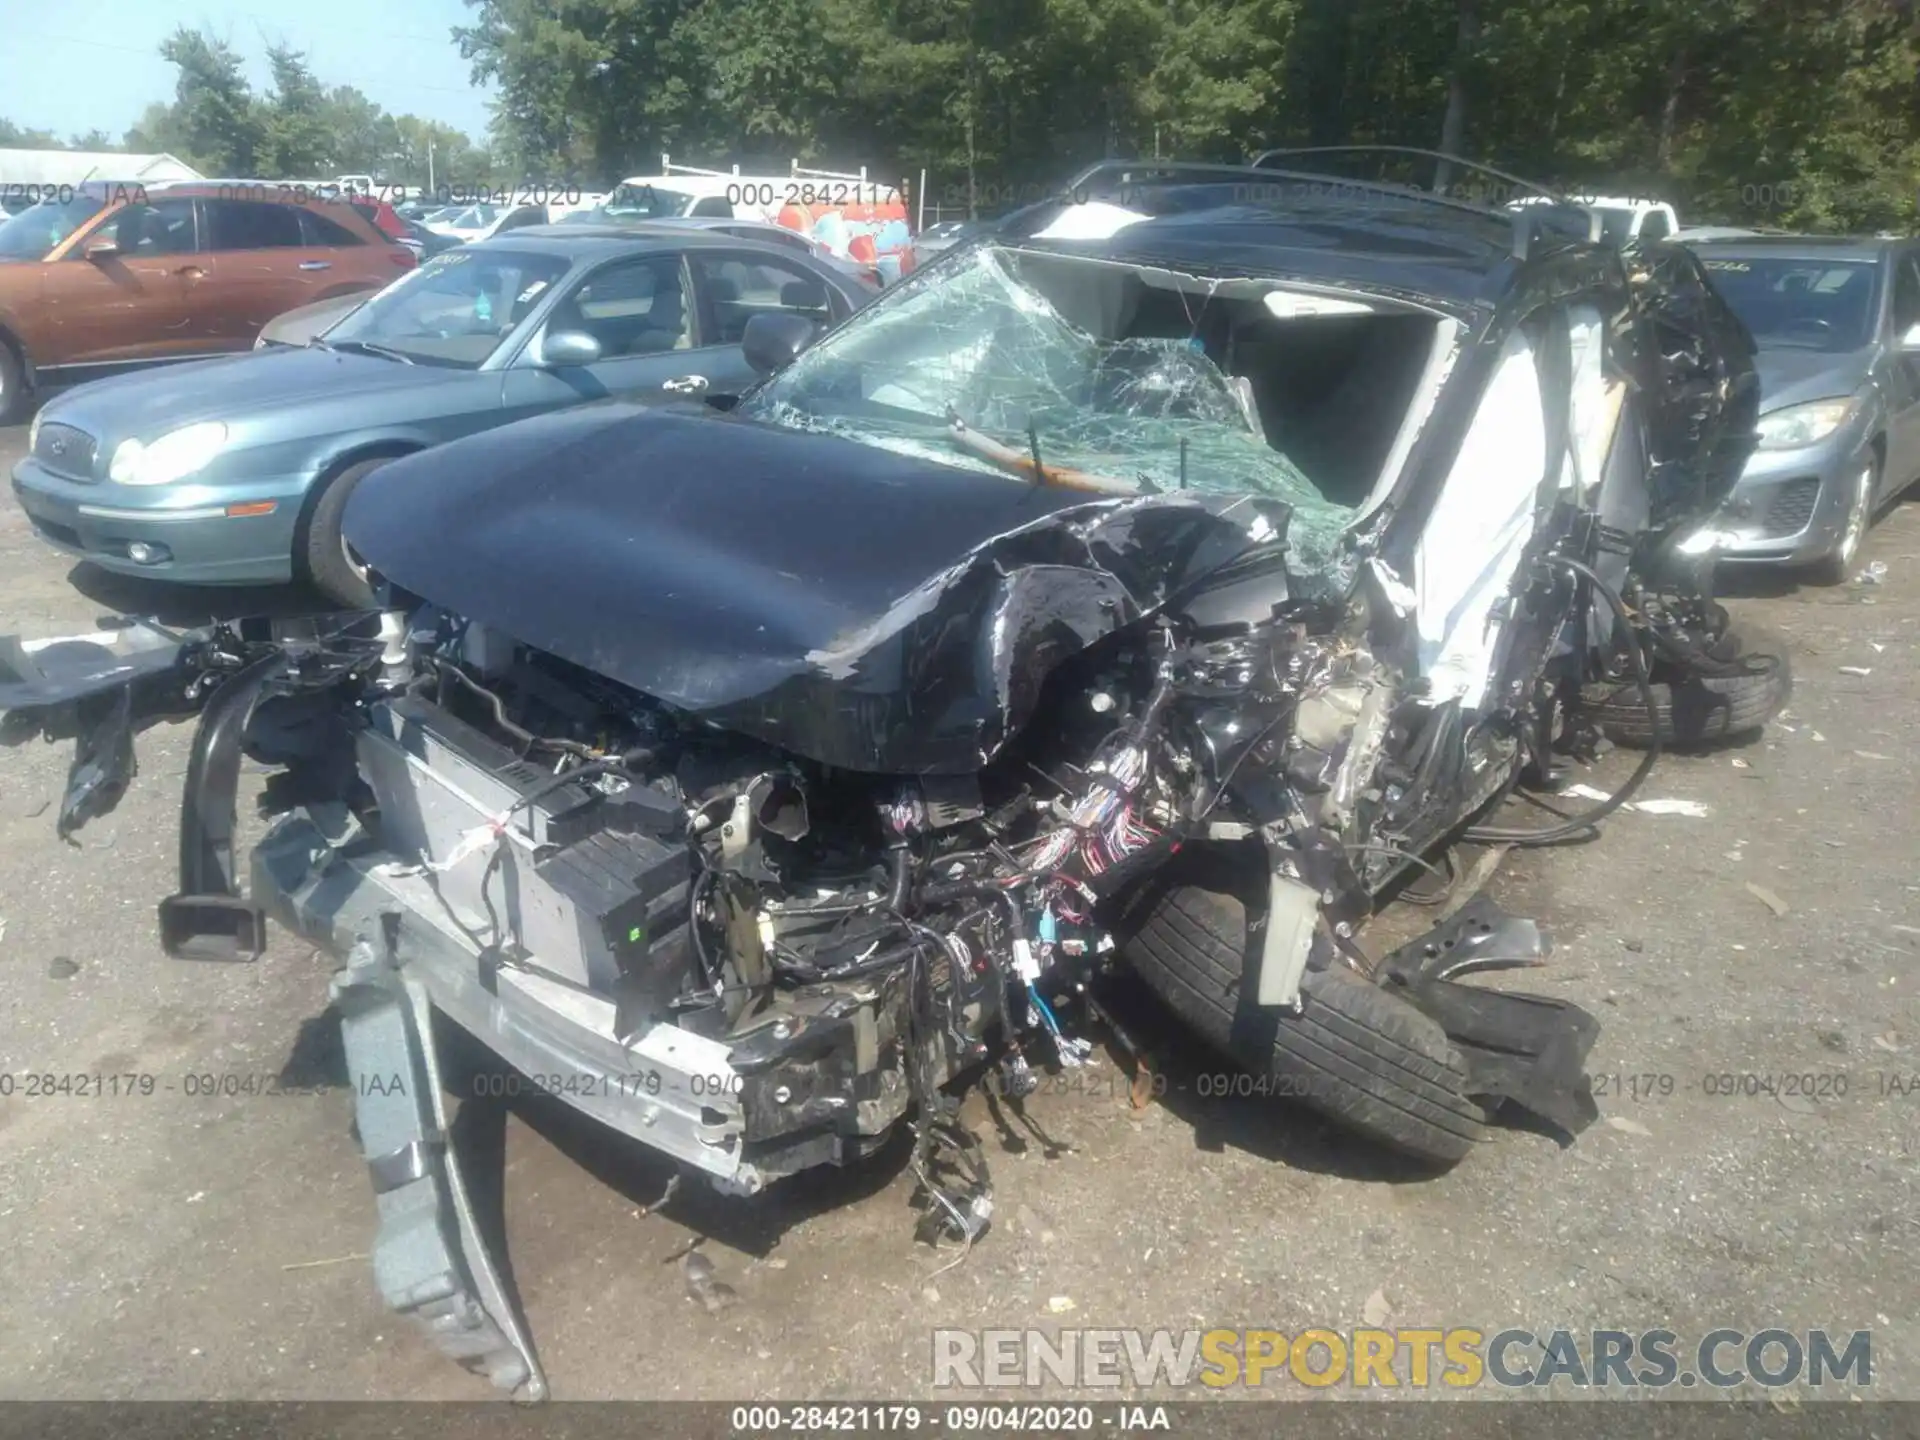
{"x":1692,"y":709}
{"x":329,"y":563}
{"x":1836,"y":568}
{"x":1358,"y":1055}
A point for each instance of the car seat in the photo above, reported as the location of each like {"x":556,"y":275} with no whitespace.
{"x":807,"y":296}
{"x":666,"y":327}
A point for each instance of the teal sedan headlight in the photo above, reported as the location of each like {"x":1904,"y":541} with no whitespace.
{"x":172,"y":457}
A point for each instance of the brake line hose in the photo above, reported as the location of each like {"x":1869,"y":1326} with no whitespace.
{"x":1583,"y":824}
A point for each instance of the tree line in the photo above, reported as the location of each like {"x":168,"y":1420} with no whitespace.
{"x":299,"y":128}
{"x":1797,"y":115}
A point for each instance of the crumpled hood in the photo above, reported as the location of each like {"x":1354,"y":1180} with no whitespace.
{"x":867,"y":609}
{"x":236,"y":387}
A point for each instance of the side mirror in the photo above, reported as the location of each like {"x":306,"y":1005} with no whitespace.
{"x":771,"y":342}
{"x":567,"y":348}
{"x":1911,"y":340}
{"x":101,"y":249}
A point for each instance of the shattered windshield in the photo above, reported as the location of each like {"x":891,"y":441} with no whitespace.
{"x":974,"y":366}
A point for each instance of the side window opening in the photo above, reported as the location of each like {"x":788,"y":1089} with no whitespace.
{"x":1906,"y":296}
{"x":320,"y":231}
{"x":637,"y":307}
{"x":252,"y":225}
{"x":164,"y":227}
{"x":739,"y":288}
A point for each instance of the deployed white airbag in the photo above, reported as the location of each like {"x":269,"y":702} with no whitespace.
{"x":1481,"y":524}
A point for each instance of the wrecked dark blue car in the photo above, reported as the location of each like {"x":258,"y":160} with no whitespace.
{"x":1159,"y":582}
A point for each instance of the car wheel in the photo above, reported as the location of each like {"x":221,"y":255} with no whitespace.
{"x":13,"y":385}
{"x":1693,"y":709}
{"x":330,"y":562}
{"x":1362,"y":1057}
{"x":1836,"y":568}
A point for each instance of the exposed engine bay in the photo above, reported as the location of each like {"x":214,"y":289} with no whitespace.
{"x":841,"y":947}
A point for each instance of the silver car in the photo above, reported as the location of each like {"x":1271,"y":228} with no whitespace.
{"x":237,"y":470}
{"x":1837,"y":323}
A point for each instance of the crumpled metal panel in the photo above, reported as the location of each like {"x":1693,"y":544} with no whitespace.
{"x":1695,"y":361}
{"x":862,"y":608}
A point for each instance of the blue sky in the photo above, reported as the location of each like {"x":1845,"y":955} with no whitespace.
{"x":86,"y":63}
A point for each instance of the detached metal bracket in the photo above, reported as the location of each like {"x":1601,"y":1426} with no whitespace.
{"x":209,"y":919}
{"x":212,"y":927}
{"x":430,"y":1259}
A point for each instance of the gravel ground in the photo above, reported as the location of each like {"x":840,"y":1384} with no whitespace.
{"x":169,"y":1246}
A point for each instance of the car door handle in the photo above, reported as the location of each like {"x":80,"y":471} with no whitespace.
{"x":316,"y":264}
{"x":685,"y":384}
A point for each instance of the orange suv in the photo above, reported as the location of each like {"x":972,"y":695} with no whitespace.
{"x":102,"y":276}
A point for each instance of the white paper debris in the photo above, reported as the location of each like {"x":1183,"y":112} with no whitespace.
{"x":1692,"y":809}
{"x":1861,"y":670}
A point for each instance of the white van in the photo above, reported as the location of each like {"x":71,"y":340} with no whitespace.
{"x":1622,"y":219}
{"x":853,"y":217}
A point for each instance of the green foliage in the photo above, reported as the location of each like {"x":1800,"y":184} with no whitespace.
{"x":296,"y":138}
{"x":221,"y":124}
{"x":1737,"y":110}
{"x":299,"y":130}
{"x":1742,"y":111}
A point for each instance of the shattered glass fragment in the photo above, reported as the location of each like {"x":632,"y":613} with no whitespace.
{"x":980,"y":369}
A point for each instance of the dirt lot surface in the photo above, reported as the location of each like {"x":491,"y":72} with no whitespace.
{"x":169,"y":1246}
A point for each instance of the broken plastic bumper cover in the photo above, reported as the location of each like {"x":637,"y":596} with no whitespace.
{"x":1530,"y":1050}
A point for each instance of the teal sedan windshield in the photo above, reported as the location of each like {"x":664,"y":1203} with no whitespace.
{"x":456,"y":309}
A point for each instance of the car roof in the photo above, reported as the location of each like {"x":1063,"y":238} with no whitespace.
{"x":587,"y":241}
{"x":1256,"y":219}
{"x":1794,"y":247}
{"x":279,"y":192}
{"x":1451,"y":256}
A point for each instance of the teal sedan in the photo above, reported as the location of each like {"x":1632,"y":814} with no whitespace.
{"x":236,"y":470}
